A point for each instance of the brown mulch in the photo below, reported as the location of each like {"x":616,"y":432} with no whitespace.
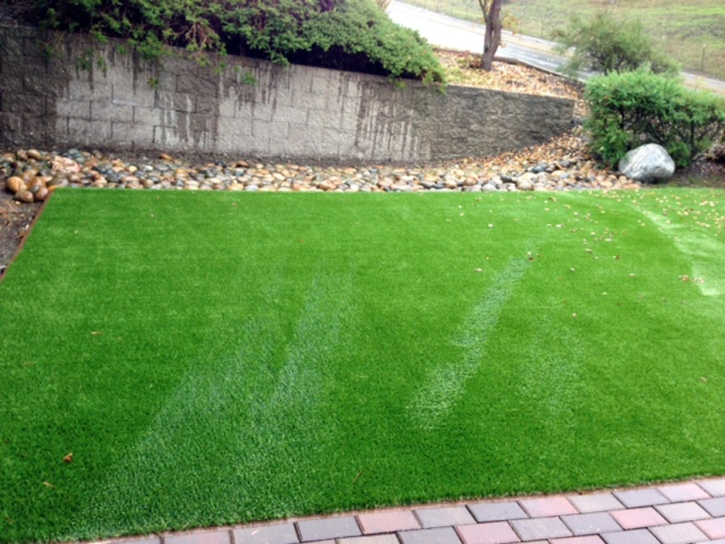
{"x":465,"y":69}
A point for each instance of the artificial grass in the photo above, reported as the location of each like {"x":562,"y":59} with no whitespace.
{"x":219,"y":358}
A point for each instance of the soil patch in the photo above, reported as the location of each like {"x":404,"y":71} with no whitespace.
{"x":15,"y":222}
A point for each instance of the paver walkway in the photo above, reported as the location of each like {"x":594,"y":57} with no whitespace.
{"x":681,"y":513}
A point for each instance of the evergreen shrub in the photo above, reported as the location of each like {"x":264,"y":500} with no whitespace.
{"x":633,"y":108}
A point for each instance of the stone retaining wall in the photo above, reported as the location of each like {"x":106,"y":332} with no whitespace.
{"x":52,"y":96}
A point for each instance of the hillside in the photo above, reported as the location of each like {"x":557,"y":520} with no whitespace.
{"x":691,"y":31}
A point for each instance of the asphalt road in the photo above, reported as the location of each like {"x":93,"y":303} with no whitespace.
{"x":447,"y":32}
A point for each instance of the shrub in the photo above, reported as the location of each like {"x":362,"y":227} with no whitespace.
{"x":359,"y":32}
{"x":605,"y":44}
{"x":634,"y":108}
{"x":278,"y":30}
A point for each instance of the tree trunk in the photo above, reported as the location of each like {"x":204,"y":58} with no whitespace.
{"x":492,"y":17}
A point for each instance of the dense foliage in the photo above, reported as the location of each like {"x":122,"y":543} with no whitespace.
{"x":349,"y":34}
{"x":633,"y":108}
{"x":357,"y":35}
{"x":606,"y":44}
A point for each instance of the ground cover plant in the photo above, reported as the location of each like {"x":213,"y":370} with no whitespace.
{"x":190,"y":359}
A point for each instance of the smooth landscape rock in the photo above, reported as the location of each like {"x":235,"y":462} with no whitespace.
{"x":41,"y":194}
{"x":528,"y":170}
{"x":647,"y":163}
{"x":15,"y":184}
{"x":25,"y":196}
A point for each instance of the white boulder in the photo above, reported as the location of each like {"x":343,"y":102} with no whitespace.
{"x":649,"y":162}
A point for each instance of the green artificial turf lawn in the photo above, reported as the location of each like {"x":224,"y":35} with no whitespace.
{"x":219,"y":358}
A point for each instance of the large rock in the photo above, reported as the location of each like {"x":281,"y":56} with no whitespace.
{"x":649,"y":162}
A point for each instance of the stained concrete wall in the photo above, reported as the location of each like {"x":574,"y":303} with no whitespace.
{"x":51,"y":97}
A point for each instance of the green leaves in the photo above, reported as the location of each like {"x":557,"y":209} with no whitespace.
{"x":342,"y":34}
{"x":633,"y":108}
{"x":605,"y":44}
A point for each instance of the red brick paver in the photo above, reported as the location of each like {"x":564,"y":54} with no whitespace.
{"x":595,"y":502}
{"x":715,"y":507}
{"x":579,"y":540}
{"x":715,"y":488}
{"x":200,"y":537}
{"x":548,"y":507}
{"x":444,"y":517}
{"x":591,"y":524}
{"x":683,"y":492}
{"x":639,"y":536}
{"x":488,"y":533}
{"x":679,"y":533}
{"x":327,"y":528}
{"x":387,"y":522}
{"x":636,"y":498}
{"x":441,"y":535}
{"x":713,"y":528}
{"x":284,"y":533}
{"x":684,"y":513}
{"x":637,"y":518}
{"x":540,"y":528}
{"x":497,"y":511}
{"x":142,"y":540}
{"x":372,"y":539}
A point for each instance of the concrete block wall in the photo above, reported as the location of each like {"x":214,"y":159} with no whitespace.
{"x":51,"y":97}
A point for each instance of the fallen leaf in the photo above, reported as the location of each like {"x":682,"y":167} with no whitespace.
{"x":96,"y":333}
{"x":68,"y":458}
{"x":47,"y":484}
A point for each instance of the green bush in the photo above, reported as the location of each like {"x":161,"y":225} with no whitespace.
{"x":358,"y":31}
{"x":634,"y":108}
{"x":605,"y":44}
{"x":352,"y":33}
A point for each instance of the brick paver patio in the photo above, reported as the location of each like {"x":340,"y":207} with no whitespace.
{"x":682,"y":513}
